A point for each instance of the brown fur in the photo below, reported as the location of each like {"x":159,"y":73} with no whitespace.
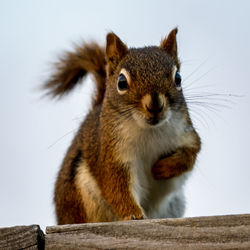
{"x":94,"y":151}
{"x":74,"y":66}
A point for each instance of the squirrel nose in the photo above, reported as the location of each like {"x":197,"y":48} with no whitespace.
{"x":154,"y":109}
{"x":153,"y":103}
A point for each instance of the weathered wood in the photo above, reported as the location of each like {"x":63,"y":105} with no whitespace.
{"x":21,"y":237}
{"x":215,"y":232}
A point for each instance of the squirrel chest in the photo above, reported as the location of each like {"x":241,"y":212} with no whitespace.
{"x":142,"y":147}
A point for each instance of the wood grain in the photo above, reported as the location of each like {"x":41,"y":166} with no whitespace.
{"x":21,"y":237}
{"x":215,"y":232}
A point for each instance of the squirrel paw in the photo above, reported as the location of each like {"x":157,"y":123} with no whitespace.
{"x":166,"y":168}
{"x":134,"y":217}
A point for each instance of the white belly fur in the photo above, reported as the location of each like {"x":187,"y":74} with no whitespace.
{"x":154,"y":195}
{"x":141,"y":148}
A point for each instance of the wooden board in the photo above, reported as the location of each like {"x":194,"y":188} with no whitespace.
{"x":215,"y":232}
{"x":21,"y":237}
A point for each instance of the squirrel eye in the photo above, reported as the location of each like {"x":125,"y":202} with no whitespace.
{"x":122,"y":84}
{"x":177,"y":81}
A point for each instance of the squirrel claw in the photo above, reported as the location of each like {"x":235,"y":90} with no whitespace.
{"x":134,"y":217}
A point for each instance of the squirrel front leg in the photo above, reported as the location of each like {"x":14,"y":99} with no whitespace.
{"x":116,"y":189}
{"x":175,"y":164}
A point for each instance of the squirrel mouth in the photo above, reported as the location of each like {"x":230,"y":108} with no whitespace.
{"x":156,"y":120}
{"x":159,"y":119}
{"x":153,"y":121}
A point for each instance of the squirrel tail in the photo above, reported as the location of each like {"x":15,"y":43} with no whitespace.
{"x":74,"y":67}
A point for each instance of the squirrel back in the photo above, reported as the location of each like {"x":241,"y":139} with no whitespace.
{"x":134,"y":150}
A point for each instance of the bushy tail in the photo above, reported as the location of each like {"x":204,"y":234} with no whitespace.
{"x":74,"y":66}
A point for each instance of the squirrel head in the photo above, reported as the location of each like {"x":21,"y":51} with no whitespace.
{"x":144,"y":83}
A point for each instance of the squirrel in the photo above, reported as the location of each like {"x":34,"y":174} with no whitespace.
{"x":137,"y":145}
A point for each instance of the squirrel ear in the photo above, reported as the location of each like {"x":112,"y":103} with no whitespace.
{"x":170,"y":45}
{"x":115,"y":51}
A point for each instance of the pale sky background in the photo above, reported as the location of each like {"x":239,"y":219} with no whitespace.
{"x":214,"y":45}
